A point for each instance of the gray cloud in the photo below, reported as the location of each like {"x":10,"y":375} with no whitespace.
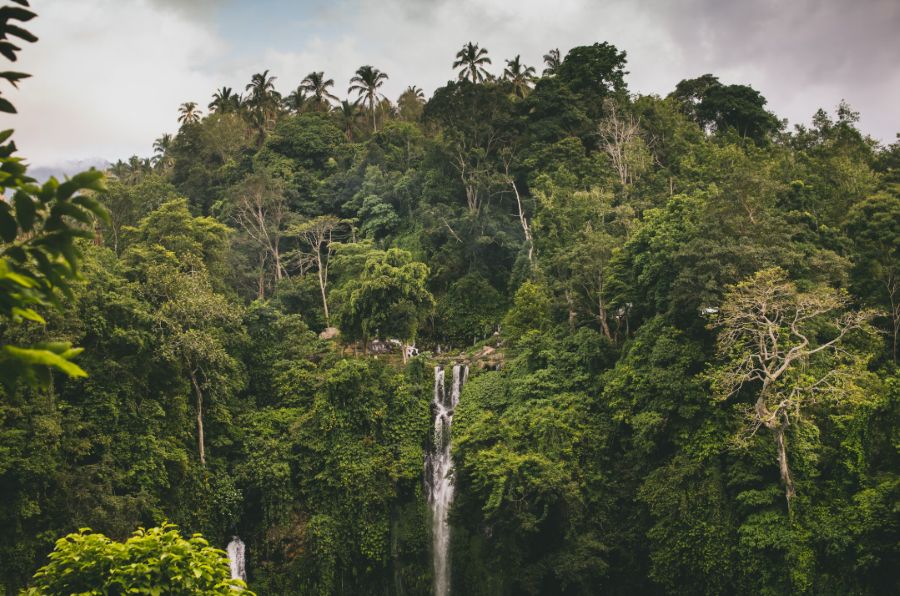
{"x":801,"y":54}
{"x":192,"y":8}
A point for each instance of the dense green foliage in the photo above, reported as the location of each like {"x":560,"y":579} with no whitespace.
{"x":609,"y":251}
{"x":155,"y":561}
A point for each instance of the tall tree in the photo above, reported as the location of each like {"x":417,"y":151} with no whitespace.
{"x":317,"y":86}
{"x":261,"y":87}
{"x":519,"y":75}
{"x":261,"y":212}
{"x":225,"y":101}
{"x":411,"y":103}
{"x":162,"y":152}
{"x":318,"y":236}
{"x":348,"y":116}
{"x":195,"y":321}
{"x":189,"y":113}
{"x":263,"y":100}
{"x":471,"y":61}
{"x":787,"y":349}
{"x":296,"y":100}
{"x":552,"y":61}
{"x":621,"y":138}
{"x":389,"y":297}
{"x":874,"y":227}
{"x":366,"y":83}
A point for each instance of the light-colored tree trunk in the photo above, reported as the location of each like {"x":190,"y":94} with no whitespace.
{"x":778,"y":432}
{"x":570,"y":303}
{"x":526,"y":229}
{"x":322,"y":283}
{"x":261,"y":279}
{"x":201,"y":443}
{"x":603,"y":318}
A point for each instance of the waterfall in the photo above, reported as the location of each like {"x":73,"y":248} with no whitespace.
{"x":439,"y":470}
{"x":235,"y":552}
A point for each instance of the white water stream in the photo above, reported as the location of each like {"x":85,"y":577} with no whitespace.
{"x":235,"y":553}
{"x":439,"y":472}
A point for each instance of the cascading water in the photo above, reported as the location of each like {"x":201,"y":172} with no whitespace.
{"x":438,"y":473}
{"x":235,"y":553}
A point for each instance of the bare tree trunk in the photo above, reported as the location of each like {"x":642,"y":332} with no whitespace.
{"x":261,"y":289}
{"x":892,"y":287}
{"x":324,"y":296}
{"x":526,"y":229}
{"x":777,"y":427}
{"x":571,"y":306}
{"x":276,"y":253}
{"x":604,"y":324}
{"x":201,"y":444}
{"x":784,"y":468}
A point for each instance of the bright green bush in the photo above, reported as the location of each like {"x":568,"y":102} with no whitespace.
{"x":154,"y":561}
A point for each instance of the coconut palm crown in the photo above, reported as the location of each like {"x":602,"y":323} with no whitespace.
{"x":471,"y":60}
{"x":366,"y":84}
{"x":519,"y":75}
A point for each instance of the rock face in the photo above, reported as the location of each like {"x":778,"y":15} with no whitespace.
{"x":330,"y":333}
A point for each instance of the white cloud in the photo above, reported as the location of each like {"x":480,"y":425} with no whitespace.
{"x":108,"y":76}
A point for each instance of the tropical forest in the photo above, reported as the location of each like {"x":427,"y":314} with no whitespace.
{"x":532,"y":333}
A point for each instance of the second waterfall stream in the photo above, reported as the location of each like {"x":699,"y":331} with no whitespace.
{"x":439,"y":472}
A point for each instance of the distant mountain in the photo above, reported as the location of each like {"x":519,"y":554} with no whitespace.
{"x":67,"y":168}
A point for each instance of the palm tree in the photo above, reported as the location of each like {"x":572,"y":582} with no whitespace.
{"x":317,"y":86}
{"x":471,"y":59}
{"x":162,"y":152}
{"x":552,"y":60}
{"x":519,"y":75}
{"x":366,"y":83}
{"x":415,"y":93}
{"x":261,"y":88}
{"x":225,"y":100}
{"x":411,"y":103}
{"x":347,"y":116}
{"x":189,"y":113}
{"x":296,"y":100}
{"x":264,"y":101}
{"x":130,"y":171}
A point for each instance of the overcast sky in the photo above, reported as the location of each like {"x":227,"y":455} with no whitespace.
{"x":109,"y":74}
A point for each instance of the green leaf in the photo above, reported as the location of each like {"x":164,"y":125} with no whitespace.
{"x":9,"y":229}
{"x":8,"y":13}
{"x":72,"y":211}
{"x":14,"y":77}
{"x":29,"y":314}
{"x":22,"y":34}
{"x":17,"y":278}
{"x":94,"y":206}
{"x":47,"y":358}
{"x":6,"y":106}
{"x":9,"y":50}
{"x":25,"y":210}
